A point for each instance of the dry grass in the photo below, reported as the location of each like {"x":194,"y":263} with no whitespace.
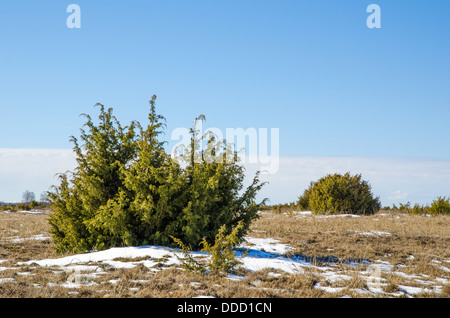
{"x":416,"y":247}
{"x":394,"y":236}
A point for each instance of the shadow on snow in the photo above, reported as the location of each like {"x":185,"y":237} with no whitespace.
{"x":302,"y":258}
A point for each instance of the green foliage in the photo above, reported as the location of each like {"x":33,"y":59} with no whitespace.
{"x":417,"y":209}
{"x":303,"y":201}
{"x":337,"y":193}
{"x":212,"y":191}
{"x":440,"y":206}
{"x":286,"y":208}
{"x":187,"y":260}
{"x":126,"y":190}
{"x":404,"y":207}
{"x":14,"y":207}
{"x":83,"y":204}
{"x":221,"y":255}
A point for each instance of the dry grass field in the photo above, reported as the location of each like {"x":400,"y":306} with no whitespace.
{"x":411,"y":253}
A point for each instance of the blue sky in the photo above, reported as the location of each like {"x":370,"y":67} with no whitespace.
{"x":313,"y":69}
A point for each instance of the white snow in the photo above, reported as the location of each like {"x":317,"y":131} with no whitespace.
{"x":286,"y":265}
{"x":374,"y":233}
{"x":302,"y":213}
{"x":25,"y":211}
{"x":337,"y":216}
{"x":255,"y":254}
{"x":266,"y":244}
{"x":329,"y":289}
{"x":6,"y":280}
{"x":333,"y":277}
{"x":235,"y":277}
{"x":31,"y":211}
{"x":382,"y":266}
{"x":109,"y":256}
{"x":411,"y":290}
{"x":310,"y":213}
{"x":257,"y":262}
{"x":39,"y":237}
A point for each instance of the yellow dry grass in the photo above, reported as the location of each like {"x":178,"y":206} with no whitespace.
{"x":416,"y":248}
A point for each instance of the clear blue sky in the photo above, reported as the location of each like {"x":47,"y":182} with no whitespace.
{"x":313,"y":69}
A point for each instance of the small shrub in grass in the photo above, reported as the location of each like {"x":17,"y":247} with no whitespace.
{"x":404,"y":207}
{"x":336,"y":193}
{"x":222,"y":257}
{"x":417,"y":209}
{"x":303,"y":201}
{"x":187,"y":260}
{"x":440,"y":206}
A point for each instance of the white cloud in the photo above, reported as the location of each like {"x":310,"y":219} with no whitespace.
{"x":393,"y":179}
{"x":398,"y":195}
{"x":31,"y":169}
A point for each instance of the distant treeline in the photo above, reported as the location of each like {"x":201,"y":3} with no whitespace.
{"x":441,"y":205}
{"x":14,"y":207}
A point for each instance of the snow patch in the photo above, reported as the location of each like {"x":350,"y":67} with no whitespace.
{"x":39,"y":237}
{"x":374,"y":233}
{"x":108,"y":256}
{"x":266,"y":244}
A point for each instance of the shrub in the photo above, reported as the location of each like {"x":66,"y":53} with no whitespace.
{"x":417,"y":209}
{"x":440,"y":206}
{"x":303,"y":201}
{"x":340,"y":194}
{"x":222,"y":258}
{"x":84,"y":212}
{"x":188,"y":262}
{"x":126,"y":190}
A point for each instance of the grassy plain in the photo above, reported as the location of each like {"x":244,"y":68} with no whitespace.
{"x":412,"y":251}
